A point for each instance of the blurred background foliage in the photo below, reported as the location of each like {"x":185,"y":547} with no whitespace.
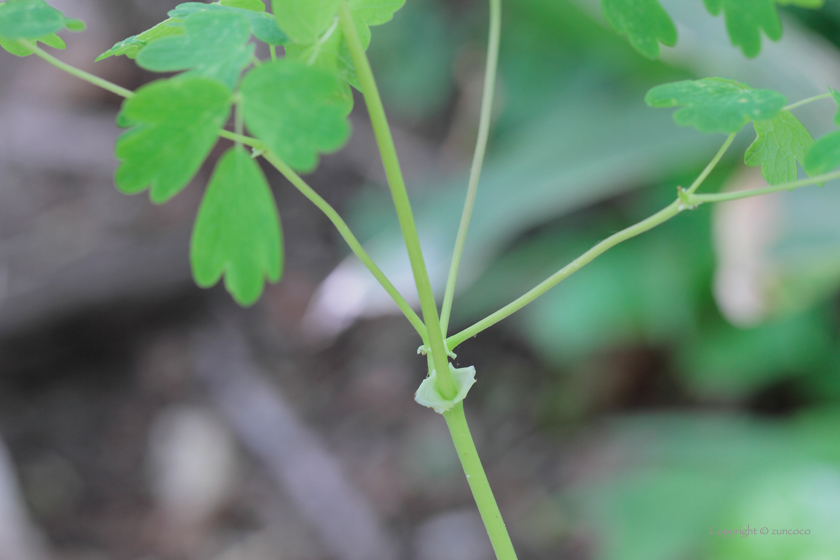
{"x":686,"y":380}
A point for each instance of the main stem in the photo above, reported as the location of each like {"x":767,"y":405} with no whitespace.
{"x":390,"y":161}
{"x":455,"y":418}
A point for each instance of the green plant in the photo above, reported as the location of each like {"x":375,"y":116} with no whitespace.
{"x":296,"y":108}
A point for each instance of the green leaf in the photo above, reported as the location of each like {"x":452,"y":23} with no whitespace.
{"x":15,"y":48}
{"x":215,"y":45}
{"x":645,"y":23}
{"x":132,"y":46}
{"x":305,"y":22}
{"x":297,"y":110}
{"x":34,"y":20}
{"x":716,"y":104}
{"x":237,"y":232}
{"x":780,"y":143}
{"x":253,"y":5}
{"x":313,"y":27}
{"x":746,"y":19}
{"x":263,"y":25}
{"x":824,"y":156}
{"x":836,"y":96}
{"x":175,"y":125}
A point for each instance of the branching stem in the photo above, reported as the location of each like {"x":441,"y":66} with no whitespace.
{"x":478,"y":158}
{"x":348,"y":236}
{"x":806,"y":101}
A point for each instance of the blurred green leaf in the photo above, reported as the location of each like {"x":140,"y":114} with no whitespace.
{"x":298,"y":111}
{"x":780,"y":143}
{"x":33,"y":19}
{"x":215,"y":45}
{"x":645,"y":23}
{"x":15,"y":48}
{"x":682,"y":476}
{"x":824,"y":155}
{"x":716,"y":104}
{"x":732,"y":362}
{"x":175,"y":125}
{"x":263,"y":25}
{"x":237,"y":232}
{"x":253,"y":5}
{"x":746,"y":19}
{"x":304,"y":22}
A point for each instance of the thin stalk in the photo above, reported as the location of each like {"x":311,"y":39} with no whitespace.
{"x":659,"y":218}
{"x":390,"y":161}
{"x":241,"y":139}
{"x":104,"y":84}
{"x":478,"y":158}
{"x":480,"y":486}
{"x":712,"y":164}
{"x":724,"y":197}
{"x":806,"y":101}
{"x":348,"y":236}
{"x":273,"y":50}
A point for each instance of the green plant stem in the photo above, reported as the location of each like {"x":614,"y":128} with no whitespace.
{"x":390,"y":161}
{"x":456,"y":420}
{"x":659,"y":218}
{"x":104,"y":84}
{"x":348,"y":236}
{"x":806,"y":101}
{"x":478,"y":158}
{"x":712,"y":164}
{"x":724,"y":197}
{"x":273,"y":50}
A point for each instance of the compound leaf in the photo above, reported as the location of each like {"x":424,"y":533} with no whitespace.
{"x":716,"y":104}
{"x":297,"y":110}
{"x":263,"y":25}
{"x":33,"y":19}
{"x":746,"y":19}
{"x":645,"y":23}
{"x":215,"y":45}
{"x":175,"y":123}
{"x":824,"y":155}
{"x":780,"y":142}
{"x":237,"y":232}
{"x":132,"y":46}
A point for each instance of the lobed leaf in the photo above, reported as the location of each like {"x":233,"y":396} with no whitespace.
{"x":263,"y":25}
{"x":214,"y":45}
{"x":33,"y":19}
{"x":296,"y":110}
{"x":824,"y":155}
{"x":645,"y":23}
{"x":14,"y":47}
{"x":132,"y":46}
{"x":175,"y":123}
{"x":716,"y":104}
{"x":237,"y":232}
{"x":746,"y":19}
{"x":780,"y":142}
